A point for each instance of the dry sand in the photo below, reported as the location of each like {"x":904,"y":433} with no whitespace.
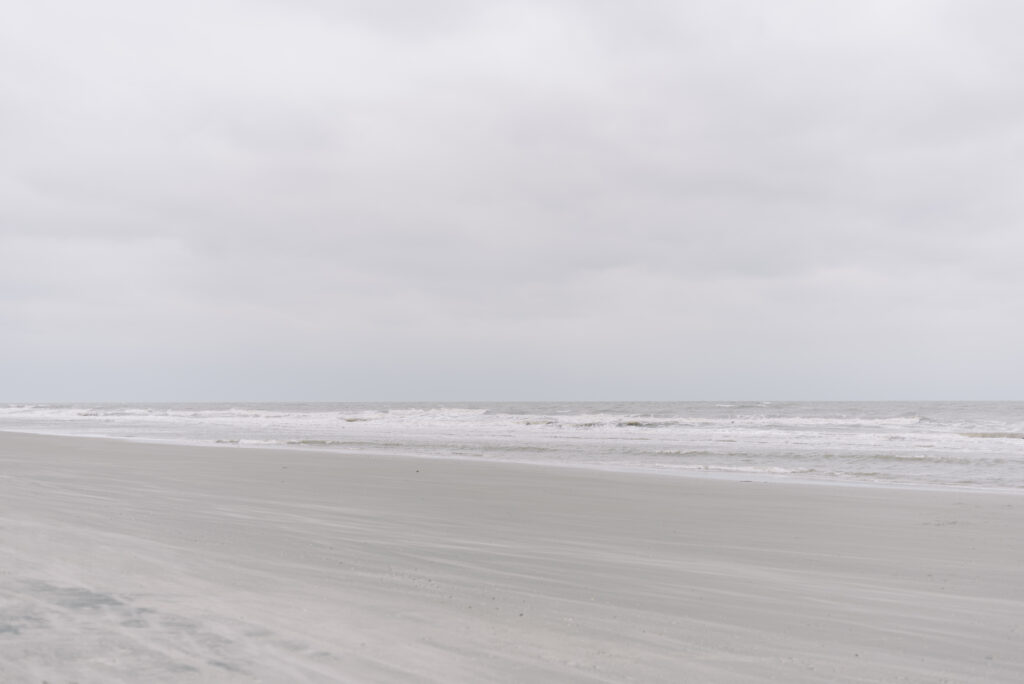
{"x":124,"y":562}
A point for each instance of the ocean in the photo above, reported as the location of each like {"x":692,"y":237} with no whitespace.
{"x":978,"y":445}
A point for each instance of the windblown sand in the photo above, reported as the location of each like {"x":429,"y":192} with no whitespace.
{"x":124,"y":562}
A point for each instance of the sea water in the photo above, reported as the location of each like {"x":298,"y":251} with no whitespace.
{"x":923,"y":444}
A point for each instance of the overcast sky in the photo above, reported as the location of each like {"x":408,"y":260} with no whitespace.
{"x":568,"y":199}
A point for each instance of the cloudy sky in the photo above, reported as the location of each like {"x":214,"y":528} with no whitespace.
{"x":568,"y":199}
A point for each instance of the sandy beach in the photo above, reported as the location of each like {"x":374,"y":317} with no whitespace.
{"x":127,"y":562}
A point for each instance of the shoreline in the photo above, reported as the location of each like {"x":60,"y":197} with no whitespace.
{"x":695,"y":473}
{"x":127,"y":561}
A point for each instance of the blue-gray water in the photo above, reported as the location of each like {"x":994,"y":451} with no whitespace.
{"x":965,"y":444}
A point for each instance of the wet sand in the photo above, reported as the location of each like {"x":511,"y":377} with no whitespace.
{"x":123,"y":562}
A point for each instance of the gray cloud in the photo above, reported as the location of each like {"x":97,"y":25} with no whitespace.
{"x":525,"y":200}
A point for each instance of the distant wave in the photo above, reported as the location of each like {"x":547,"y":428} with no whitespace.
{"x":993,"y":435}
{"x":647,"y":423}
{"x":316,"y":442}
